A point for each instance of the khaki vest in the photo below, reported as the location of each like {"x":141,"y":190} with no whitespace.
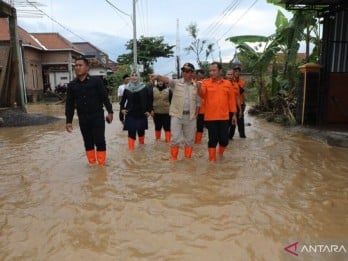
{"x":161,"y":100}
{"x":177,"y":104}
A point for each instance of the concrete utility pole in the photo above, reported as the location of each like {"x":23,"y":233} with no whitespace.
{"x":135,"y":53}
{"x":177,"y":49}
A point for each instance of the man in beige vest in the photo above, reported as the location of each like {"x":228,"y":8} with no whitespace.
{"x":183,"y":110}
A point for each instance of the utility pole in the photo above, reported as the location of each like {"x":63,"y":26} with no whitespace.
{"x":177,"y":49}
{"x":135,"y":53}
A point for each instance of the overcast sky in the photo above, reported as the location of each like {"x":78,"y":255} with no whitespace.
{"x":109,"y":26}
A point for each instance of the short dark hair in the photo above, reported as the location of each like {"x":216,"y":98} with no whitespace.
{"x":82,"y":58}
{"x":219,"y":65}
{"x":125,"y":76}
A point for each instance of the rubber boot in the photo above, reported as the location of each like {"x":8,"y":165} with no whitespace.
{"x":142,"y":140}
{"x":101,"y":156}
{"x":167,"y":136}
{"x":221,"y":150}
{"x":158,"y":135}
{"x":91,"y":157}
{"x":198,"y":137}
{"x":131,"y":143}
{"x":212,"y":154}
{"x":188,"y":152}
{"x":174,"y":151}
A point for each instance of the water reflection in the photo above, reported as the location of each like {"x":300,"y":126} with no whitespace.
{"x":269,"y":190}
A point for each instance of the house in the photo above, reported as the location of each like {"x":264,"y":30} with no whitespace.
{"x":327,"y":93}
{"x":57,"y":59}
{"x":98,"y":59}
{"x":48,"y":59}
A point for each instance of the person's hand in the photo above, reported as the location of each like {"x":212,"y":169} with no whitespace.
{"x":153,"y":77}
{"x":69,"y":127}
{"x":124,"y":112}
{"x":234,"y":119}
{"x":109,"y":117}
{"x":147,"y":114}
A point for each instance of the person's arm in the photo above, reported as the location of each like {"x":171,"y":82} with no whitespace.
{"x":69,"y":108}
{"x":162,"y":78}
{"x":103,"y":93}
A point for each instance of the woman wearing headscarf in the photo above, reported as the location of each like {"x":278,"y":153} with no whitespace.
{"x":136,"y":105}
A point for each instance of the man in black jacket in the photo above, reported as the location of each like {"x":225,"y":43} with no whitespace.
{"x":88,"y":95}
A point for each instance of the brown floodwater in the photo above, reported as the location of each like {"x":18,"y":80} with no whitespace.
{"x":272,"y":189}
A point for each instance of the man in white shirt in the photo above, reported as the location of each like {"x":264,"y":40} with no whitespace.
{"x":120,"y":91}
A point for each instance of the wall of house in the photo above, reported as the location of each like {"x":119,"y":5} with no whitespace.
{"x":334,"y":90}
{"x":4,"y":55}
{"x":33,"y":74}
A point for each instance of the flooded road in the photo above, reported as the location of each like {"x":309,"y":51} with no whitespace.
{"x":268,"y":191}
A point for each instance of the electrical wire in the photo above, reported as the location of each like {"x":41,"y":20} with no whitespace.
{"x":238,"y":20}
{"x":54,"y":20}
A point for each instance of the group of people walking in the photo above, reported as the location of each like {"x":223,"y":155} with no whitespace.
{"x":180,"y":107}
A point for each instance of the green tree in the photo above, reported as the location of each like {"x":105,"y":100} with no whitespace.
{"x":115,"y":79}
{"x":149,"y":49}
{"x":199,"y":46}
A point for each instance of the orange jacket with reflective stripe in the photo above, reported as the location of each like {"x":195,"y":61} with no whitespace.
{"x":219,"y":99}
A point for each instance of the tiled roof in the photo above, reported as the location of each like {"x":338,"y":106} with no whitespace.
{"x":54,"y":41}
{"x":23,"y":35}
{"x":4,"y":30}
{"x":87,"y":47}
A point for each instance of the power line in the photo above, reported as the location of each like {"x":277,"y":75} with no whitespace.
{"x":120,"y":11}
{"x":214,"y":27}
{"x":238,"y":20}
{"x":54,"y":20}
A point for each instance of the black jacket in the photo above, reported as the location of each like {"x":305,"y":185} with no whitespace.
{"x":88,"y":97}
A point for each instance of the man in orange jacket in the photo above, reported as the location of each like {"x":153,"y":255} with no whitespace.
{"x":219,"y":100}
{"x":241,"y":88}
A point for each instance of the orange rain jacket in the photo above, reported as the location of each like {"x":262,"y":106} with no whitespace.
{"x":241,"y":84}
{"x":219,"y":99}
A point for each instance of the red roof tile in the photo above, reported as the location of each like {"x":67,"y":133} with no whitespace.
{"x":23,"y":35}
{"x":54,"y":41}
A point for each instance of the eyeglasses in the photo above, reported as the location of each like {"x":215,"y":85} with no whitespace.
{"x":186,"y":70}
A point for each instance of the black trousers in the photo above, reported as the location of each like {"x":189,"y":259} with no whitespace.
{"x":200,"y":122}
{"x":133,"y":134}
{"x":93,"y":131}
{"x":240,"y":124}
{"x":217,"y":133}
{"x":162,"y":120}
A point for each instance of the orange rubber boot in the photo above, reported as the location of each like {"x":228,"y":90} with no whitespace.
{"x":158,"y":135}
{"x":101,"y":157}
{"x":91,"y":157}
{"x":221,"y":150}
{"x":142,"y":140}
{"x":174,"y":151}
{"x":131,"y":143}
{"x":198,"y":137}
{"x":212,"y":154}
{"x":188,"y":152}
{"x":167,"y":136}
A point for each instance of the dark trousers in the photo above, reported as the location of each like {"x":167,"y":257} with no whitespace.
{"x":217,"y":133}
{"x":200,"y":122}
{"x":121,"y":116}
{"x":240,"y":125}
{"x":133,"y":134}
{"x":162,"y":120}
{"x":93,"y":131}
